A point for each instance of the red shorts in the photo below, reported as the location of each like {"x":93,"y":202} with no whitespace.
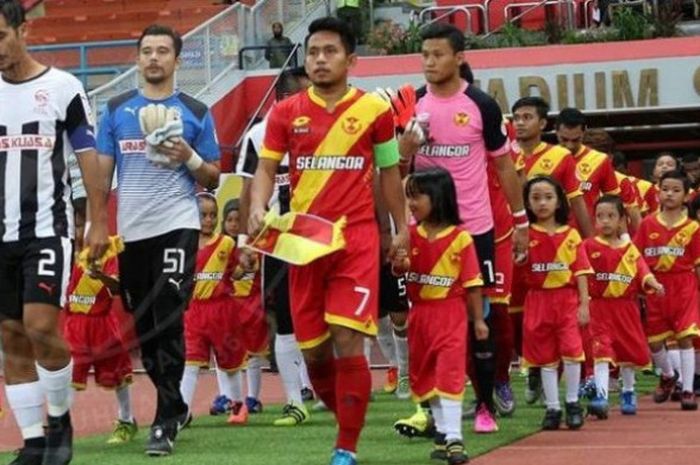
{"x":212,"y":326}
{"x":499,"y":293}
{"x":617,"y":334}
{"x":550,"y":327}
{"x":437,"y":347}
{"x":518,"y":290}
{"x":95,"y":341}
{"x":675,"y":314}
{"x":253,"y":323}
{"x":338,"y":289}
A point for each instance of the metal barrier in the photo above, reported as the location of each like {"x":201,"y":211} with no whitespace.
{"x":293,"y":52}
{"x":570,"y":4}
{"x":449,"y":11}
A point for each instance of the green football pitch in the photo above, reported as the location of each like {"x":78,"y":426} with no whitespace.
{"x":210,"y":441}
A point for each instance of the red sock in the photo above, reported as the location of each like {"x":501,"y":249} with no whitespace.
{"x":353,"y":388}
{"x":322,"y":376}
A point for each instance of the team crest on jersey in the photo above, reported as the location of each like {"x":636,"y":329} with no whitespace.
{"x":682,"y":238}
{"x":595,"y":255}
{"x":455,"y":257}
{"x":351,"y":125}
{"x":571,"y":244}
{"x":461,"y":119}
{"x":584,"y":169}
{"x":222,"y":255}
{"x":546,"y":164}
{"x":631,"y":258}
{"x":301,"y":124}
{"x":41,"y":99}
{"x":653,"y":236}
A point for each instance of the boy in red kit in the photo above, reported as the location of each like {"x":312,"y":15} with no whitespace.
{"x":616,"y":327}
{"x":211,"y":321}
{"x":94,"y":338}
{"x":557,"y":299}
{"x":670,"y":244}
{"x":443,"y":277}
{"x":335,"y":136}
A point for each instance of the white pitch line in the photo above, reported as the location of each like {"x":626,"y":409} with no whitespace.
{"x":554,"y":448}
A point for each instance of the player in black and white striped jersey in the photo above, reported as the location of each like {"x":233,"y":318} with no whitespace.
{"x":44,"y":115}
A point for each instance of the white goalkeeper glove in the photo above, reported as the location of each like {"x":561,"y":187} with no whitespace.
{"x":160,"y":125}
{"x":415,"y":128}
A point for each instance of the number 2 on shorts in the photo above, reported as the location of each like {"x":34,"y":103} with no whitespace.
{"x":365,"y":297}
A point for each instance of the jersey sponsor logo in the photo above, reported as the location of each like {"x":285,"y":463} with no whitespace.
{"x":351,"y":125}
{"x":664,"y":250}
{"x":301,"y":124}
{"x":132,"y":146}
{"x":82,"y":299}
{"x":430,"y":280}
{"x":209,"y":276}
{"x":549,"y":266}
{"x":586,"y":186}
{"x":327,"y":163}
{"x":27,"y":142}
{"x":613,"y":277}
{"x":131,"y":110}
{"x":282,"y":179}
{"x":445,"y":151}
{"x":461,"y":119}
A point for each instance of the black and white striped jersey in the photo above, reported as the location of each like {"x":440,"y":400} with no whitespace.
{"x":42,"y":120}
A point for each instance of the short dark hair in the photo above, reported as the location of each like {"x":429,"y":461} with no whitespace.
{"x":599,"y":139}
{"x":619,"y":159}
{"x":438,"y":185}
{"x":161,"y":30}
{"x":613,"y":200}
{"x":690,"y":158}
{"x":539,"y":103}
{"x":445,"y":31}
{"x":677,"y":175}
{"x":13,"y":12}
{"x":561,"y":214}
{"x":330,"y":24}
{"x":571,"y":118}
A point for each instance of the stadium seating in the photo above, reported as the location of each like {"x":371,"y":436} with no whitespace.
{"x":96,"y":20}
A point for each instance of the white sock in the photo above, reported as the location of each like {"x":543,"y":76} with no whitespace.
{"x":452,"y":414}
{"x":674,"y":358}
{"x":189,"y":384}
{"x":385,"y":338}
{"x":627,"y":379}
{"x":124,"y":401}
{"x":368,"y":350}
{"x":304,"y":374}
{"x":687,"y":357}
{"x":661,"y":361}
{"x":236,"y":384}
{"x":401,"y":355}
{"x":572,"y":375}
{"x":289,"y":361}
{"x":254,"y":376}
{"x":438,"y":415}
{"x":550,"y":386}
{"x":57,"y":388}
{"x":697,"y":363}
{"x":26,"y":401}
{"x":602,"y":378}
{"x":223,"y":382}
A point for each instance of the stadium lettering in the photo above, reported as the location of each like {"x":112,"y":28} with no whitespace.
{"x":430,"y":280}
{"x":664,"y":250}
{"x":209,"y":276}
{"x":82,"y":299}
{"x":615,"y":277}
{"x":26,"y":142}
{"x":131,"y":146}
{"x":445,"y":151}
{"x":551,"y":266}
{"x":323,"y":163}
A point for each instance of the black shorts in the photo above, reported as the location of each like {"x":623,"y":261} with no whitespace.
{"x":485,"y":245}
{"x":392,"y":292}
{"x":157,"y":274}
{"x":34,"y":271}
{"x":275,"y":288}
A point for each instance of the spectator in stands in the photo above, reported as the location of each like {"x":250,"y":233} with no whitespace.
{"x":350,"y":12}
{"x":691,"y":166}
{"x":279,"y":47}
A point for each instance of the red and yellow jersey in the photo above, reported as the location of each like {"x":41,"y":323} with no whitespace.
{"x":248,"y":285}
{"x":555,"y":259}
{"x":668,"y":248}
{"x":88,"y":295}
{"x":649,"y":194}
{"x":628,"y":191}
{"x":502,"y":214}
{"x":331,"y":154}
{"x":596,"y":175}
{"x":444,"y":267}
{"x":215,"y":264}
{"x":620,"y":272}
{"x":557,"y":162}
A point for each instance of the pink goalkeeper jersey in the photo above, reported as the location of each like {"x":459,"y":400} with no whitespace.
{"x":465,"y":130}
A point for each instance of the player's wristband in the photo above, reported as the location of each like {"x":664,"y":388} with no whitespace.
{"x":524,"y":225}
{"x":242,"y":240}
{"x":194,"y":162}
{"x":520,"y":219}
